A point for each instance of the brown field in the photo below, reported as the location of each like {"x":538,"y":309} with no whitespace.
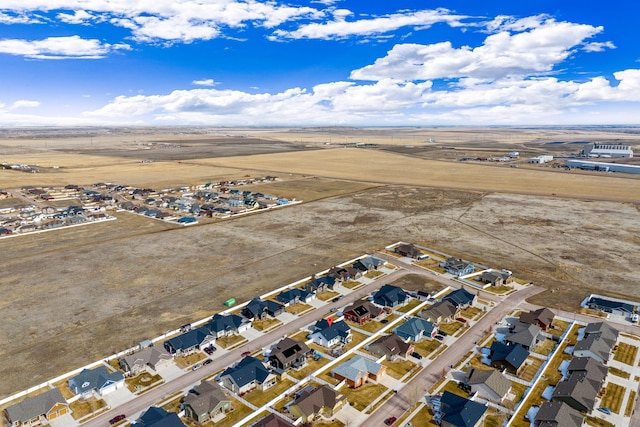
{"x":75,"y":291}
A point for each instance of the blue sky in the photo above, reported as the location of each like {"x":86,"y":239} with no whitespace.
{"x":322,"y":62}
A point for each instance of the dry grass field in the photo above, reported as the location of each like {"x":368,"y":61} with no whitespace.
{"x":73,"y":296}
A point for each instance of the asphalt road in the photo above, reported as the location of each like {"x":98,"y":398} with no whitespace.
{"x":425,"y":379}
{"x":190,"y":378}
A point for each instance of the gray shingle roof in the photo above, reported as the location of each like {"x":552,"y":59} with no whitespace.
{"x":93,"y":379}
{"x":247,"y":370}
{"x":34,"y":406}
{"x":208,"y":395}
{"x":312,"y":401}
{"x":552,"y":414}
{"x":493,"y":379}
{"x":357,"y":368}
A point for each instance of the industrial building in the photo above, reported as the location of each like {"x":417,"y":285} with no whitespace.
{"x":541,"y":159}
{"x":602,"y":150}
{"x":602,"y":166}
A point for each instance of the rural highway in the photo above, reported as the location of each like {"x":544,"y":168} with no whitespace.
{"x":160,"y":393}
{"x":425,"y":379}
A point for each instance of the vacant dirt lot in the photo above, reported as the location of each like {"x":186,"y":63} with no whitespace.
{"x":73,"y":296}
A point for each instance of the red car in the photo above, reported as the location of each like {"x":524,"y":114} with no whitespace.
{"x":390,"y":421}
{"x":461,"y":319}
{"x":117,"y":419}
{"x":246,"y":353}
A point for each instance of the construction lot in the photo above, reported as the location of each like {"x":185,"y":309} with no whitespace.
{"x":74,"y":296}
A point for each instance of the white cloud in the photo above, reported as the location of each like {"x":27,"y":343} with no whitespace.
{"x":78,"y":17}
{"x":72,"y":47}
{"x":532,"y":52}
{"x":598,"y":46}
{"x":18,"y":18}
{"x":204,"y":82}
{"x":23,"y":103}
{"x":341,"y":28}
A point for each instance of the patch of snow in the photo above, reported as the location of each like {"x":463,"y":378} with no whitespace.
{"x":531,"y":413}
{"x":563,"y":368}
{"x":568,"y":349}
{"x":548,"y":392}
{"x":500,"y":337}
{"x":581,"y":334}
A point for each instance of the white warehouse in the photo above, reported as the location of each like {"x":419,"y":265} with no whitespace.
{"x":541,"y":159}
{"x":601,"y":166}
{"x":603,"y":150}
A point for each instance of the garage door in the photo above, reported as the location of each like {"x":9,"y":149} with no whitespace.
{"x":53,"y":415}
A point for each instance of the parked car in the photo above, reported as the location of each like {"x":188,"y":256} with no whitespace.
{"x":246,"y":353}
{"x":384,"y":321}
{"x":389,"y":421}
{"x":605,"y":410}
{"x":206,"y":362}
{"x":196,"y":366}
{"x":416,"y":355}
{"x":117,"y":419}
{"x":333,"y":309}
{"x":338,"y":298}
{"x":439,"y":337}
{"x":461,"y":319}
{"x":209,"y":350}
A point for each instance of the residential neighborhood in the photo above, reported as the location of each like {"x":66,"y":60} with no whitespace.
{"x":355,"y":342}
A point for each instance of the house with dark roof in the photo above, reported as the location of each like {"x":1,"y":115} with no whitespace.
{"x":619,"y":308}
{"x":357,"y":371}
{"x":225,"y":325}
{"x":580,"y":389}
{"x":408,"y":250}
{"x":343,"y":274}
{"x":461,"y":298}
{"x":272,"y":420}
{"x":361,"y":312}
{"x":190,"y":341}
{"x":97,"y":380}
{"x":158,"y":417}
{"x":509,"y":357}
{"x":557,"y":414}
{"x":495,"y":278}
{"x":320,"y":401}
{"x":542,"y":317}
{"x":599,"y":339}
{"x":527,"y":335}
{"x":390,"y":296}
{"x":149,"y":357}
{"x":38,"y":409}
{"x":294,"y":296}
{"x":206,"y":402}
{"x":320,"y":284}
{"x":416,"y":329}
{"x":440,"y":311}
{"x":327,"y":333}
{"x":458,"y":267}
{"x":458,"y":411}
{"x":248,"y":374}
{"x":368,"y":263}
{"x":258,"y":308}
{"x":391,"y":347}
{"x":489,"y":384}
{"x":289,"y":354}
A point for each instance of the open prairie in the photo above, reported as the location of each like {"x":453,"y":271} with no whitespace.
{"x":73,"y":296}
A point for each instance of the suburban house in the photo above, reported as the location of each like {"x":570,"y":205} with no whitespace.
{"x":258,"y":308}
{"x":328,"y":333}
{"x":206,"y":402}
{"x":608,"y":306}
{"x":543,"y":317}
{"x":557,"y":414}
{"x":408,"y":250}
{"x":458,"y":411}
{"x":38,"y":409}
{"x":320,"y":401}
{"x":508,"y":357}
{"x":294,"y":296}
{"x":190,"y":341}
{"x":272,"y":420}
{"x":599,"y":339}
{"x":289,"y":353}
{"x":158,"y":417}
{"x":149,"y":357}
{"x":355,"y":372}
{"x":248,"y":374}
{"x":581,"y":388}
{"x":461,"y":298}
{"x":342,"y":274}
{"x":361,"y":312}
{"x":439,"y":312}
{"x":495,"y":277}
{"x":489,"y":384}
{"x":320,"y":284}
{"x":458,"y":267}
{"x":524,"y":334}
{"x":415,"y":329}
{"x":390,"y":296}
{"x":97,"y":380}
{"x":368,"y":263}
{"x":224,"y":325}
{"x":391,"y":347}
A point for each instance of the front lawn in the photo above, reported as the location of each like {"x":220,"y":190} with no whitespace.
{"x":470,"y":312}
{"x":426,"y":347}
{"x":266,"y":324}
{"x":356,"y":338}
{"x":450,"y":328}
{"x":189,"y":359}
{"x":398,"y":369}
{"x":298,"y":308}
{"x":613,"y":397}
{"x":259,"y":397}
{"x":452,"y":386}
{"x":351,"y":284}
{"x":81,"y":408}
{"x":327,"y":295}
{"x":141,"y":381}
{"x":231,"y":341}
{"x":373,"y":274}
{"x":626,"y":353}
{"x":413,"y":303}
{"x":361,"y":397}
